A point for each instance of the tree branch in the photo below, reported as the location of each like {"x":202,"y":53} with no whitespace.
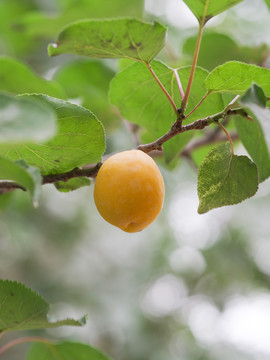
{"x":178,"y":128}
{"x":84,"y":172}
{"x":7,"y":186}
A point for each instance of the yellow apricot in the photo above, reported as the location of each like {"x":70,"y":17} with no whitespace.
{"x":129,"y":190}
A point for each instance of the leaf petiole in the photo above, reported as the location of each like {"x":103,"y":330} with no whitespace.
{"x":228,"y":136}
{"x":193,"y":68}
{"x":161,"y":86}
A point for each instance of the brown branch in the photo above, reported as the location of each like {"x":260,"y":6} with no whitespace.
{"x":178,"y":128}
{"x":211,"y":138}
{"x":85,"y":172}
{"x":7,"y":186}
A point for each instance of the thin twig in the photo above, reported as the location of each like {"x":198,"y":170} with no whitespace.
{"x":162,"y":87}
{"x":21,"y":341}
{"x":211,"y":138}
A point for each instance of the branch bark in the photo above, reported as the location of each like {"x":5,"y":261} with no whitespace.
{"x":178,"y":128}
{"x":7,"y":186}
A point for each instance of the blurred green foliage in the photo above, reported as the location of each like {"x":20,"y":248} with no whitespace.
{"x":143,"y":291}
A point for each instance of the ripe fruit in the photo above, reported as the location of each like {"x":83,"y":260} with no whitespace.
{"x":129,"y":190}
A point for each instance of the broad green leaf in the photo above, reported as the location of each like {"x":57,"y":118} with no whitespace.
{"x":236,"y":77}
{"x":206,"y":9}
{"x":89,"y":81}
{"x":225,"y":179}
{"x":23,"y":119}
{"x":39,"y":24}
{"x":268,"y":3}
{"x":22,"y":174}
{"x":23,"y":309}
{"x":140,"y":100}
{"x":17,"y":78}
{"x":64,"y":351}
{"x":217,"y":48}
{"x":116,"y":38}
{"x":255,"y":135}
{"x":78,"y":141}
{"x":72,"y":184}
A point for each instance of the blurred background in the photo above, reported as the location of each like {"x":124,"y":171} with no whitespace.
{"x":189,"y":287}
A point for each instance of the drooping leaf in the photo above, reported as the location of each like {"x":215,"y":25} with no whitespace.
{"x":17,"y":78}
{"x":39,"y":24}
{"x":135,"y":92}
{"x":89,"y":81}
{"x":236,"y":77}
{"x":23,"y":120}
{"x":225,"y":179}
{"x":255,"y":135}
{"x":72,"y":184}
{"x":27,"y":176}
{"x":78,"y":141}
{"x":114,"y":39}
{"x":206,"y":9}
{"x":64,"y":351}
{"x":23,"y":309}
{"x":217,"y":48}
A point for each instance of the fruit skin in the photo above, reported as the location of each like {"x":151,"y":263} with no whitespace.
{"x":129,"y":190}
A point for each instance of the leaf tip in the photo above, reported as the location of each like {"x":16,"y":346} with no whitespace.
{"x":201,"y":210}
{"x":83,"y":320}
{"x":52,"y":49}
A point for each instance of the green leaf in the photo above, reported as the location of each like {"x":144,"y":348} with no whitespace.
{"x":135,"y":92}
{"x":72,"y":184}
{"x":23,"y":119}
{"x":89,"y":81}
{"x":236,"y":77}
{"x":64,"y":351}
{"x":17,"y":78}
{"x":217,"y":48}
{"x":79,"y":140}
{"x":255,"y":135}
{"x":23,"y":309}
{"x":39,"y":24}
{"x":27,"y":176}
{"x":12,"y":40}
{"x":268,"y":3}
{"x":225,"y":179}
{"x":206,"y":9}
{"x":117,"y":38}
